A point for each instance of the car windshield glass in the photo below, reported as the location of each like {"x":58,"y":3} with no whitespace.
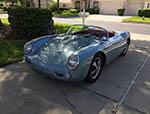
{"x":76,"y":28}
{"x":87,"y":30}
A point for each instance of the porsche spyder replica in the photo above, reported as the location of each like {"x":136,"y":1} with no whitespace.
{"x":77,"y":55}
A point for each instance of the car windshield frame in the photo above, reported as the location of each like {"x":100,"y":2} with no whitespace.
{"x":90,"y":27}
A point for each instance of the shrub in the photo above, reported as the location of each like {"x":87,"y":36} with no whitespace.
{"x":30,"y":22}
{"x":67,"y":13}
{"x":121,"y":12}
{"x":140,"y":13}
{"x":93,"y":11}
{"x":62,"y":9}
{"x":144,"y":12}
{"x":74,"y":11}
{"x":53,"y":6}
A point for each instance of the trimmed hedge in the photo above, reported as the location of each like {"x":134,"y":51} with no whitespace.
{"x":74,"y":11}
{"x":144,"y":12}
{"x":30,"y":22}
{"x":121,"y":12}
{"x":67,"y":13}
{"x":93,"y":11}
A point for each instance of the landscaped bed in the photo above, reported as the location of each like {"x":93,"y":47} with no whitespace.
{"x":67,"y":13}
{"x":10,"y":51}
{"x":137,"y":19}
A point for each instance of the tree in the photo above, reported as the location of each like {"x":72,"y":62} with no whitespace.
{"x":53,"y":6}
{"x":57,"y":5}
{"x":39,"y":3}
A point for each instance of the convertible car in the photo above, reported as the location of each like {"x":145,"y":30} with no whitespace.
{"x":77,"y":55}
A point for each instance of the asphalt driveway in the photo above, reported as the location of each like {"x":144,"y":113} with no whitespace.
{"x":24,"y":91}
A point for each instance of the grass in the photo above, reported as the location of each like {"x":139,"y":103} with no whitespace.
{"x":5,"y":21}
{"x":137,"y":19}
{"x":10,"y":51}
{"x":61,"y":27}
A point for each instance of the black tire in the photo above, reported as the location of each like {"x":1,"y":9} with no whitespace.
{"x":125,"y":51}
{"x":91,"y":78}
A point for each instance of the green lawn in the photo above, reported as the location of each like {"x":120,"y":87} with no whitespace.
{"x":10,"y":51}
{"x":137,"y":19}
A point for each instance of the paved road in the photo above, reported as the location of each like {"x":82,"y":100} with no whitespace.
{"x":131,"y":27}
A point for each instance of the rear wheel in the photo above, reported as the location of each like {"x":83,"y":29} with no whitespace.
{"x":95,"y":69}
{"x":125,"y":51}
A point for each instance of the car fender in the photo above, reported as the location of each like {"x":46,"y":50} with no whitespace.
{"x":39,"y":42}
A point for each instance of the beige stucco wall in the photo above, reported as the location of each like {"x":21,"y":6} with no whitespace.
{"x":44,"y":3}
{"x":67,"y":3}
{"x":131,"y":6}
{"x":146,"y":3}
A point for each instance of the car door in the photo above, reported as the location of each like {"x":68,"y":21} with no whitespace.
{"x":114,"y":47}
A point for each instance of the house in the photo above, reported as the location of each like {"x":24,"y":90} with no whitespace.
{"x":44,"y":3}
{"x":107,"y":6}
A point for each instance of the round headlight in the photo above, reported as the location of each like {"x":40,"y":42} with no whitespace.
{"x":27,"y":48}
{"x":72,"y":62}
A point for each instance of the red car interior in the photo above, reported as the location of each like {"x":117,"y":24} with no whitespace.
{"x":97,"y":33}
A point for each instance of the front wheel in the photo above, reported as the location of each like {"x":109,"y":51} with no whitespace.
{"x":125,"y":51}
{"x":95,"y":69}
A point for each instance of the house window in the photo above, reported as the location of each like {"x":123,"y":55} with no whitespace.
{"x":77,"y":4}
{"x":148,"y":5}
{"x":96,"y":5}
{"x":64,"y":5}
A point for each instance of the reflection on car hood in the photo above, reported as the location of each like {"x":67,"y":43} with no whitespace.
{"x":57,"y":50}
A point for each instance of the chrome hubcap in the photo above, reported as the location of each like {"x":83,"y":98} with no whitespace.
{"x":96,"y":67}
{"x":126,"y":49}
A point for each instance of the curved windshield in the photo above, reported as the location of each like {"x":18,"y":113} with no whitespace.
{"x":76,"y":28}
{"x":87,"y":30}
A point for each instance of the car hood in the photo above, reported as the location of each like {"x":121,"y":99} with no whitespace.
{"x":57,"y":50}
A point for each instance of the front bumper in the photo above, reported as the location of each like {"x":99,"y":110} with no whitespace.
{"x":58,"y":71}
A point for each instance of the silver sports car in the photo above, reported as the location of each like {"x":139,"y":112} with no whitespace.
{"x":77,"y":55}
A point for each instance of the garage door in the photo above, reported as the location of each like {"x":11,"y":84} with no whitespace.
{"x":132,"y":8}
{"x":110,"y":7}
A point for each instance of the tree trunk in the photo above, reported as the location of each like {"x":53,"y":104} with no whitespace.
{"x":39,"y":3}
{"x":57,"y":5}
